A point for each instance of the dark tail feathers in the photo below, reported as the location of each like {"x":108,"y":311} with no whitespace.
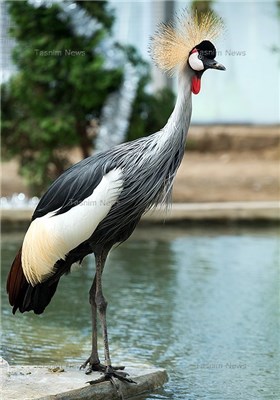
{"x":25,"y":297}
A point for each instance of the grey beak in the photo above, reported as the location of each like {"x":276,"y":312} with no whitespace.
{"x":218,"y":66}
{"x":208,"y":63}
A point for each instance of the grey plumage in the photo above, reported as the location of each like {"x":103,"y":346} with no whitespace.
{"x":149,"y":167}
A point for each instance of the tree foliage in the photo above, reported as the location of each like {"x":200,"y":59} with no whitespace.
{"x":202,"y":7}
{"x":150,"y":111}
{"x":61,"y":85}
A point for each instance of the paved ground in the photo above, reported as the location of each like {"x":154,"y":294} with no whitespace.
{"x":228,"y":176}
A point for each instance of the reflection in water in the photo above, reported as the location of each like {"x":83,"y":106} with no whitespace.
{"x":202,"y":306}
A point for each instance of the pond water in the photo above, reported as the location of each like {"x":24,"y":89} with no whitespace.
{"x":201,"y":303}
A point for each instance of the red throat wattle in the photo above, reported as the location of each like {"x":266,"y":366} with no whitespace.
{"x":195,"y":84}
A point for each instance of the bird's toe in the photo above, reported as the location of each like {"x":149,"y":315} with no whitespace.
{"x":110,"y":374}
{"x":83,"y":366}
{"x":92,"y":366}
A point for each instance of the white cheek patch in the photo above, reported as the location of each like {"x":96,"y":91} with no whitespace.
{"x":195,"y":63}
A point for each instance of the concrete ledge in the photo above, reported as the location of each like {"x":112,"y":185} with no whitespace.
{"x":69,"y":383}
{"x":16,"y":214}
{"x":220,"y":211}
{"x":214,"y":138}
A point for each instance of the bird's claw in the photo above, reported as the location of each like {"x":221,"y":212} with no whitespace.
{"x":113,"y":377}
{"x":97,"y":366}
{"x":110,"y":374}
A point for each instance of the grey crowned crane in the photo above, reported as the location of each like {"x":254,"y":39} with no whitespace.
{"x":98,"y":202}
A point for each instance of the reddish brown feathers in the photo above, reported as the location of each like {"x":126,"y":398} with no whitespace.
{"x":25,"y":297}
{"x":16,"y":282}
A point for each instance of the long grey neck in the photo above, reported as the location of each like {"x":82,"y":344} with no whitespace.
{"x":170,"y":141}
{"x":178,"y":124}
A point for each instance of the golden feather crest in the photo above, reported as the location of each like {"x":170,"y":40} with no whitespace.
{"x":172,"y":42}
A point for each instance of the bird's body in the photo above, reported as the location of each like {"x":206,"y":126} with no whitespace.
{"x":78,"y":215}
{"x":96,"y":204}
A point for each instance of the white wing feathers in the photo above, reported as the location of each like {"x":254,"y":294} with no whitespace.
{"x":51,"y":237}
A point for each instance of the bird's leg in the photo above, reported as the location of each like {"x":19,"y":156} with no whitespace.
{"x":101,"y":305}
{"x":93,"y":361}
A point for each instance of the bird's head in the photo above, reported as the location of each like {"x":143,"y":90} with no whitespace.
{"x":201,"y":58}
{"x":186,"y":43}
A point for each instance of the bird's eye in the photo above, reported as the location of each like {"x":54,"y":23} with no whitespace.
{"x":195,"y":62}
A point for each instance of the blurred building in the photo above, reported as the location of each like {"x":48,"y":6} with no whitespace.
{"x":7,"y":68}
{"x":248,"y":92}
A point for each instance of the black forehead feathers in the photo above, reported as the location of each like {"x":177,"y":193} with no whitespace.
{"x":206,"y":49}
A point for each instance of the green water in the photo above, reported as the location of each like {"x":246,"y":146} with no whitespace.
{"x":201,"y":303}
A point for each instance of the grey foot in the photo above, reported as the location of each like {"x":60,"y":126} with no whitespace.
{"x":97,"y":366}
{"x":110,"y":374}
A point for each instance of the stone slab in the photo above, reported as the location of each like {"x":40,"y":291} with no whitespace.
{"x":69,"y":383}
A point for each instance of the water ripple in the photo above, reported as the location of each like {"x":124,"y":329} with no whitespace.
{"x":204,"y":308}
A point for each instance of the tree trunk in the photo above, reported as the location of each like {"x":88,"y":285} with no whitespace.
{"x":85,"y":142}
